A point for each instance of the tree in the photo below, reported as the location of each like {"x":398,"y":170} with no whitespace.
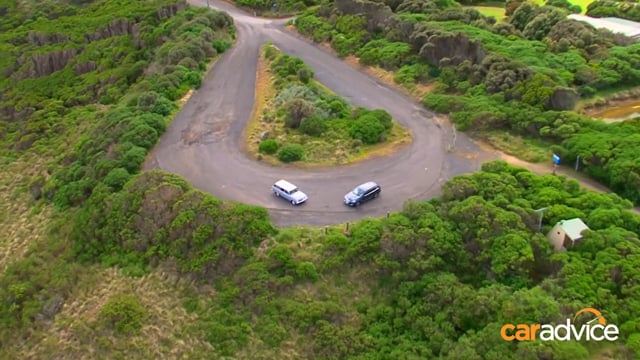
{"x":367,"y":129}
{"x":297,"y":110}
{"x":541,"y":24}
{"x":523,"y":15}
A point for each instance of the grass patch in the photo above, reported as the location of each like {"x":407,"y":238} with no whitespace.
{"x":582,"y":3}
{"x":20,"y":226}
{"x":334,"y":146}
{"x":416,"y":91}
{"x":167,"y":331}
{"x":264,"y":92}
{"x":496,"y":12}
{"x":534,"y":151}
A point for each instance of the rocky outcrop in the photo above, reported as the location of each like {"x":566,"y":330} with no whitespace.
{"x":48,"y":63}
{"x":562,"y":99}
{"x":377,"y":14}
{"x":43,"y":64}
{"x":117,"y":27}
{"x":171,"y":10}
{"x":456,"y":47}
{"x":41,"y":39}
{"x":85,"y":67}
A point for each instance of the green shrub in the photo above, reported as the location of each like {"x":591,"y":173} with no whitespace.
{"x":124,"y":313}
{"x":163,"y":106}
{"x":193,"y":79}
{"x":307,"y":270}
{"x":313,"y":126}
{"x":133,"y":159}
{"x":221,"y":45}
{"x":367,"y":129}
{"x":304,"y":75}
{"x":290,"y":153}
{"x":116,"y":178}
{"x":268,"y":146}
{"x":270,"y":52}
{"x":147,"y":100}
{"x":142,"y":135}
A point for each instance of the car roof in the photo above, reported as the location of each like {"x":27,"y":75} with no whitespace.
{"x":368,"y":185}
{"x":285,"y":185}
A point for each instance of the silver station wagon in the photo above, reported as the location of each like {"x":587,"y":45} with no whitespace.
{"x":288,"y":191}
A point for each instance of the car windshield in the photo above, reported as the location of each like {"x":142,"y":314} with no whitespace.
{"x":358,"y":191}
{"x":293,"y":190}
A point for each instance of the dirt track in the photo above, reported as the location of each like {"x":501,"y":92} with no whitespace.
{"x":204,"y":142}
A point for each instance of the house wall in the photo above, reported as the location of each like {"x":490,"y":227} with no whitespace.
{"x":557,"y":236}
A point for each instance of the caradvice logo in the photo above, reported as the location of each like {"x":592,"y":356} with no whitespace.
{"x":595,"y":329}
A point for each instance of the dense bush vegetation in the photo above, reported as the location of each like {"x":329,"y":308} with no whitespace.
{"x":629,"y":10}
{"x":437,"y":279}
{"x":524,"y":75}
{"x":290,"y":153}
{"x":124,"y":313}
{"x":276,"y":7}
{"x":87,"y":87}
{"x":206,"y":236}
{"x":317,"y":123}
{"x":268,"y":146}
{"x":117,"y":145}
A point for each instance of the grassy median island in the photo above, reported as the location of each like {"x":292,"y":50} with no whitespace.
{"x":296,"y":119}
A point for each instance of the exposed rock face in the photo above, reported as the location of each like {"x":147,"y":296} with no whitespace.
{"x":455,"y":47}
{"x":40,"y":39}
{"x":48,"y":63}
{"x":85,"y":67}
{"x":115,"y":28}
{"x":171,"y":10}
{"x":562,"y":99}
{"x":376,"y":13}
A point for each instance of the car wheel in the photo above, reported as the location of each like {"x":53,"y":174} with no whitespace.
{"x":357,"y":203}
{"x":293,"y":202}
{"x":278,"y":195}
{"x":375,"y":195}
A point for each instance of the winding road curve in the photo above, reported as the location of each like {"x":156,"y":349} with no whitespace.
{"x":204,"y":142}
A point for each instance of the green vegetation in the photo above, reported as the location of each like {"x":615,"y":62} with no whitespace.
{"x":303,"y":121}
{"x":87,"y":88}
{"x":496,"y":12}
{"x":124,"y":313}
{"x":276,"y":8}
{"x":437,"y":279}
{"x":629,"y":10}
{"x":524,"y":75}
{"x":142,"y":265}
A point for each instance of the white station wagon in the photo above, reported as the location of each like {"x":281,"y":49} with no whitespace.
{"x":288,"y":191}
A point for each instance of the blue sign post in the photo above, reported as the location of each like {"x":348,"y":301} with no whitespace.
{"x":556,"y":162}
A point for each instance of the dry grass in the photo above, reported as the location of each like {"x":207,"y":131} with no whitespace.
{"x":264,"y":93}
{"x":20,"y":224}
{"x":76,"y":333}
{"x":416,"y":91}
{"x":526,"y":149}
{"x":183,"y":100}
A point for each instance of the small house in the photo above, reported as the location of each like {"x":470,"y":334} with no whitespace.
{"x":566,"y":233}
